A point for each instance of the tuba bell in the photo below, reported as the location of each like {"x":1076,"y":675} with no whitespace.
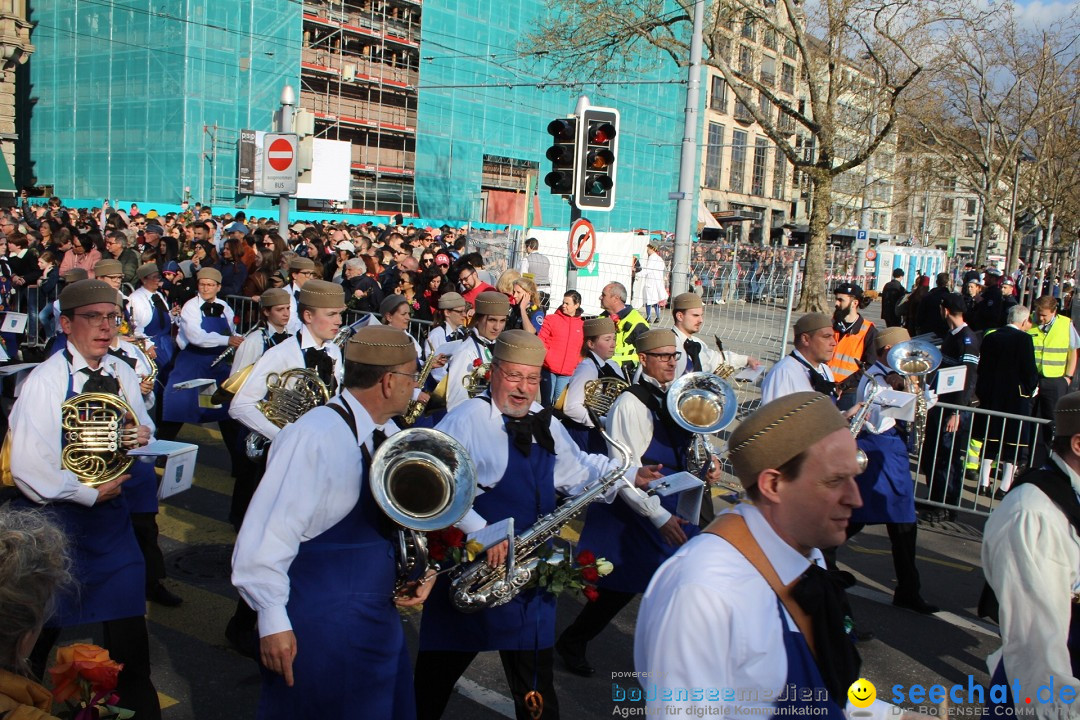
{"x":914,"y":360}
{"x":423,"y":480}
{"x":96,"y":434}
{"x":702,"y":403}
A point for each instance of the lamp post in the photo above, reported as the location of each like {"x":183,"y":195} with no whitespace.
{"x":285,"y":125}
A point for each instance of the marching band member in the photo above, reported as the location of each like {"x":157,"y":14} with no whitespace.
{"x":275,"y":306}
{"x":523,"y":457}
{"x":796,"y":459}
{"x":106,"y":560}
{"x":636,"y":534}
{"x":451,"y":327}
{"x":151,"y":318}
{"x":492,"y":307}
{"x":597,"y":352}
{"x":688,"y":313}
{"x":320,"y":304}
{"x":313,"y":557}
{"x":58,"y":341}
{"x":301,"y":270}
{"x":112,"y":272}
{"x":806,"y":367}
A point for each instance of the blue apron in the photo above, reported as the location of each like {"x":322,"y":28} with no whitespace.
{"x":159,"y":330}
{"x":106,"y":562}
{"x":628,"y":540}
{"x":351,"y":660}
{"x":525,"y":492}
{"x":194,"y":362}
{"x":886,"y":487}
{"x":803,"y":675}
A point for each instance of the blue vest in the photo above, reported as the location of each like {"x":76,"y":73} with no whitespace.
{"x":194,"y":362}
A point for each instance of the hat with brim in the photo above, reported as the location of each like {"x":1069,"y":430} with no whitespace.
{"x":1067,"y":415}
{"x":520,"y":347}
{"x":812,"y":322}
{"x":301,"y":263}
{"x":321,"y":294}
{"x":597,"y":326}
{"x":889,"y":337}
{"x":146,"y":270}
{"x":492,"y":302}
{"x":108,"y":267}
{"x":76,"y":274}
{"x":687,"y":301}
{"x":209,"y":274}
{"x":272,"y":297}
{"x":87,"y":292}
{"x":451,"y":301}
{"x":654,"y":340}
{"x":380,"y":345}
{"x":391,"y":303}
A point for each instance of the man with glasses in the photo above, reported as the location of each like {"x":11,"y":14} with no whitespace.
{"x":524,"y":459}
{"x":629,"y":324}
{"x":107,"y":564}
{"x":490,"y":319}
{"x":637,"y":534}
{"x":152,"y":320}
{"x":471,"y":285}
{"x":116,"y":247}
{"x":301,"y":270}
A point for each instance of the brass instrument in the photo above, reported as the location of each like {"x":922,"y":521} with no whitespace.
{"x":288,"y":396}
{"x":600,"y":394}
{"x":347,"y":331}
{"x":724,"y":370}
{"x":416,"y":407}
{"x":423,"y":480}
{"x":96,"y":432}
{"x":231,"y":385}
{"x":702,"y":403}
{"x":477,"y":381}
{"x":230,"y":351}
{"x":859,"y":419}
{"x":914,"y":360}
{"x":140,"y":342}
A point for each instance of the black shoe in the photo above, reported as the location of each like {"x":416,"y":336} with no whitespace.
{"x":917,"y":604}
{"x":861,"y":635}
{"x":932,"y":516}
{"x":163,"y":596}
{"x":242,"y":639}
{"x":575,"y":661}
{"x":950,"y":516}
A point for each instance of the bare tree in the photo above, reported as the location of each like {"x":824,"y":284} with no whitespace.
{"x":856,"y":59}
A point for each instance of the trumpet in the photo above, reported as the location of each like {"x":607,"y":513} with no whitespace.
{"x":859,"y":419}
{"x":230,"y":351}
{"x":725,"y":369}
{"x":416,"y":407}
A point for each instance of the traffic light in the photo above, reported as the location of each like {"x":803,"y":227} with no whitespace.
{"x":594,"y":177}
{"x":562,"y":154}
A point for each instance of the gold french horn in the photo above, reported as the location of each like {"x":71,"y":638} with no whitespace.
{"x":96,"y":434}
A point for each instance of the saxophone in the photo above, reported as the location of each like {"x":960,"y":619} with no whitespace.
{"x":478,"y":586}
{"x":416,"y":407}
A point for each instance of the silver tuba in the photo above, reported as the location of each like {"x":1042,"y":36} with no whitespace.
{"x":914,"y":360}
{"x":423,"y":480}
{"x":702,"y":403}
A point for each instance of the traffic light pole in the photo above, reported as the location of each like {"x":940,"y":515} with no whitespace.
{"x":688,"y":171}
{"x":571,"y":271}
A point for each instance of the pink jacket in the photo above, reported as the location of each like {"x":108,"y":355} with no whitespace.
{"x":563,"y":336}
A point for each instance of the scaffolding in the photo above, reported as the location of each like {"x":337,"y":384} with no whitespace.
{"x":358,"y":77}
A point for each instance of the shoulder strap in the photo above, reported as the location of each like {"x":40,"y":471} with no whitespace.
{"x":732,"y":527}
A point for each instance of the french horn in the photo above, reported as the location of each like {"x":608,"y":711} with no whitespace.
{"x":96,"y":435}
{"x":288,"y":396}
{"x":600,"y":394}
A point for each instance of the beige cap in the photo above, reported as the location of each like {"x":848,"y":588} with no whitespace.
{"x":812,"y":322}
{"x":301,"y":263}
{"x":597,"y":326}
{"x":76,"y":274}
{"x":519,"y":346}
{"x":380,"y":345}
{"x":108,"y":267}
{"x":1067,"y":415}
{"x":391,"y":303}
{"x":87,"y":292}
{"x":887,"y":337}
{"x":321,"y":294}
{"x":146,"y":270}
{"x":451,"y":300}
{"x":209,"y":274}
{"x":272,"y":297}
{"x":492,"y":302}
{"x":653,"y":339}
{"x":687,"y":301}
{"x":780,"y":430}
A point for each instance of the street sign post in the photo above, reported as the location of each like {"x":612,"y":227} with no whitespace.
{"x":279,"y":164}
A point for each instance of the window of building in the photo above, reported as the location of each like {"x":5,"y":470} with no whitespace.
{"x":746,"y":60}
{"x":748,"y":26}
{"x":767,"y":74}
{"x":714,"y":156}
{"x":764,"y":104}
{"x":969,"y":228}
{"x":944,"y":228}
{"x":742,"y":113}
{"x":718,"y":97}
{"x":779,"y":178}
{"x":789,"y":48}
{"x":946,"y":204}
{"x":761,"y":156}
{"x":787,"y":78}
{"x":738,"y":161}
{"x":769,"y":38}
{"x":972,"y":206}
{"x":901,"y":226}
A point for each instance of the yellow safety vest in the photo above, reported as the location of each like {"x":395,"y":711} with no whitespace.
{"x":1051,"y":348}
{"x":624,"y":349}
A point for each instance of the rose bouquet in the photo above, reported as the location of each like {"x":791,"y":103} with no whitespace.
{"x":84,"y":679}
{"x":559,"y":570}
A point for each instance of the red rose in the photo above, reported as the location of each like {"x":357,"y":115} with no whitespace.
{"x":585,"y":557}
{"x":591,"y":593}
{"x":589,"y":574}
{"x":436,"y":550}
{"x":453,"y":537}
{"x":477,"y":362}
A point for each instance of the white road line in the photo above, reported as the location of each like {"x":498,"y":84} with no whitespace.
{"x":488,"y":698}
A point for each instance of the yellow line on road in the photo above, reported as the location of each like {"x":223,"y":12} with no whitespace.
{"x":946,"y":563}
{"x":202,"y":616}
{"x":165,"y":701}
{"x":192,"y":528}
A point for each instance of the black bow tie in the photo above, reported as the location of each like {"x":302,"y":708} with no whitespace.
{"x":212,"y":309}
{"x":525,"y":429}
{"x":98,"y":381}
{"x":693,"y":351}
{"x":823,"y":599}
{"x":278,"y":338}
{"x":120,"y":354}
{"x":318,"y":360}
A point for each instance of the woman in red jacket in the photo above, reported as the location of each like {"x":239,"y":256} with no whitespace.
{"x":562,"y":334}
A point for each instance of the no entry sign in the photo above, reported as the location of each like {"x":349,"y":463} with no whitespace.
{"x":280,"y":154}
{"x":279,"y":163}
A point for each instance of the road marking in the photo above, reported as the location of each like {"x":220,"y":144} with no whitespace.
{"x":946,"y":563}
{"x":944,"y":615}
{"x":192,"y":528}
{"x":490,"y":699}
{"x":195,"y":618}
{"x":165,"y":701}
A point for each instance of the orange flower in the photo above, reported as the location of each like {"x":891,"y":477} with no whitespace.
{"x":87,"y":662}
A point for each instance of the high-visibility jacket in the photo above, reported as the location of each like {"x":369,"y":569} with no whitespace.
{"x":625,"y":353}
{"x":1051,"y":348}
{"x":848,"y":354}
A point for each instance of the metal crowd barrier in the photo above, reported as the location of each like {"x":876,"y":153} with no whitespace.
{"x":247,"y":314}
{"x":970,"y":469}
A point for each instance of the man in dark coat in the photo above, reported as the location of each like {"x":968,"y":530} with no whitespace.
{"x":891,"y":295}
{"x":929,"y":318}
{"x":1008,"y":376}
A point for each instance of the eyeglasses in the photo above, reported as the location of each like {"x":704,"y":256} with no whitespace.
{"x":664,"y":357}
{"x":414,"y":376}
{"x":516,"y":377}
{"x":95,"y":318}
{"x":308,"y":273}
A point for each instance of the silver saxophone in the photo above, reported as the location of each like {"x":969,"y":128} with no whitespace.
{"x":478,"y":586}
{"x":859,"y":419}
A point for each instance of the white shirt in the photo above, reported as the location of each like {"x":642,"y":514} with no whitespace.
{"x":142,"y":309}
{"x":35,"y":425}
{"x":311,"y":483}
{"x":294,"y":318}
{"x":1031,"y":558}
{"x":252,"y":348}
{"x":790,"y":376}
{"x":460,"y":365}
{"x":710,"y":359}
{"x":585,"y":372}
{"x":284,"y":356}
{"x":437,"y":339}
{"x":478,"y":425}
{"x":191,"y":332}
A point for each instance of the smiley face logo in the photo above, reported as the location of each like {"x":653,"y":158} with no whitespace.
{"x":862,"y":693}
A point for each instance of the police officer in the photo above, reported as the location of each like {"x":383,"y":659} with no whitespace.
{"x":1055,"y":354}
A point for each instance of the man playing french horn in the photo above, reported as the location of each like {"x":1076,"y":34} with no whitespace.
{"x":524,"y":458}
{"x":314,"y":557}
{"x":640,"y":532}
{"x":107,"y":565}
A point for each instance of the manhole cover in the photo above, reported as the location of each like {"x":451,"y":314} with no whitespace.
{"x":202,"y":562}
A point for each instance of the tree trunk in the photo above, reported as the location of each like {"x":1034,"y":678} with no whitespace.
{"x":985,"y":229}
{"x":813,"y":297}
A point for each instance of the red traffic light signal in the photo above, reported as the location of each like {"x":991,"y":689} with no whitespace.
{"x":594,"y":177}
